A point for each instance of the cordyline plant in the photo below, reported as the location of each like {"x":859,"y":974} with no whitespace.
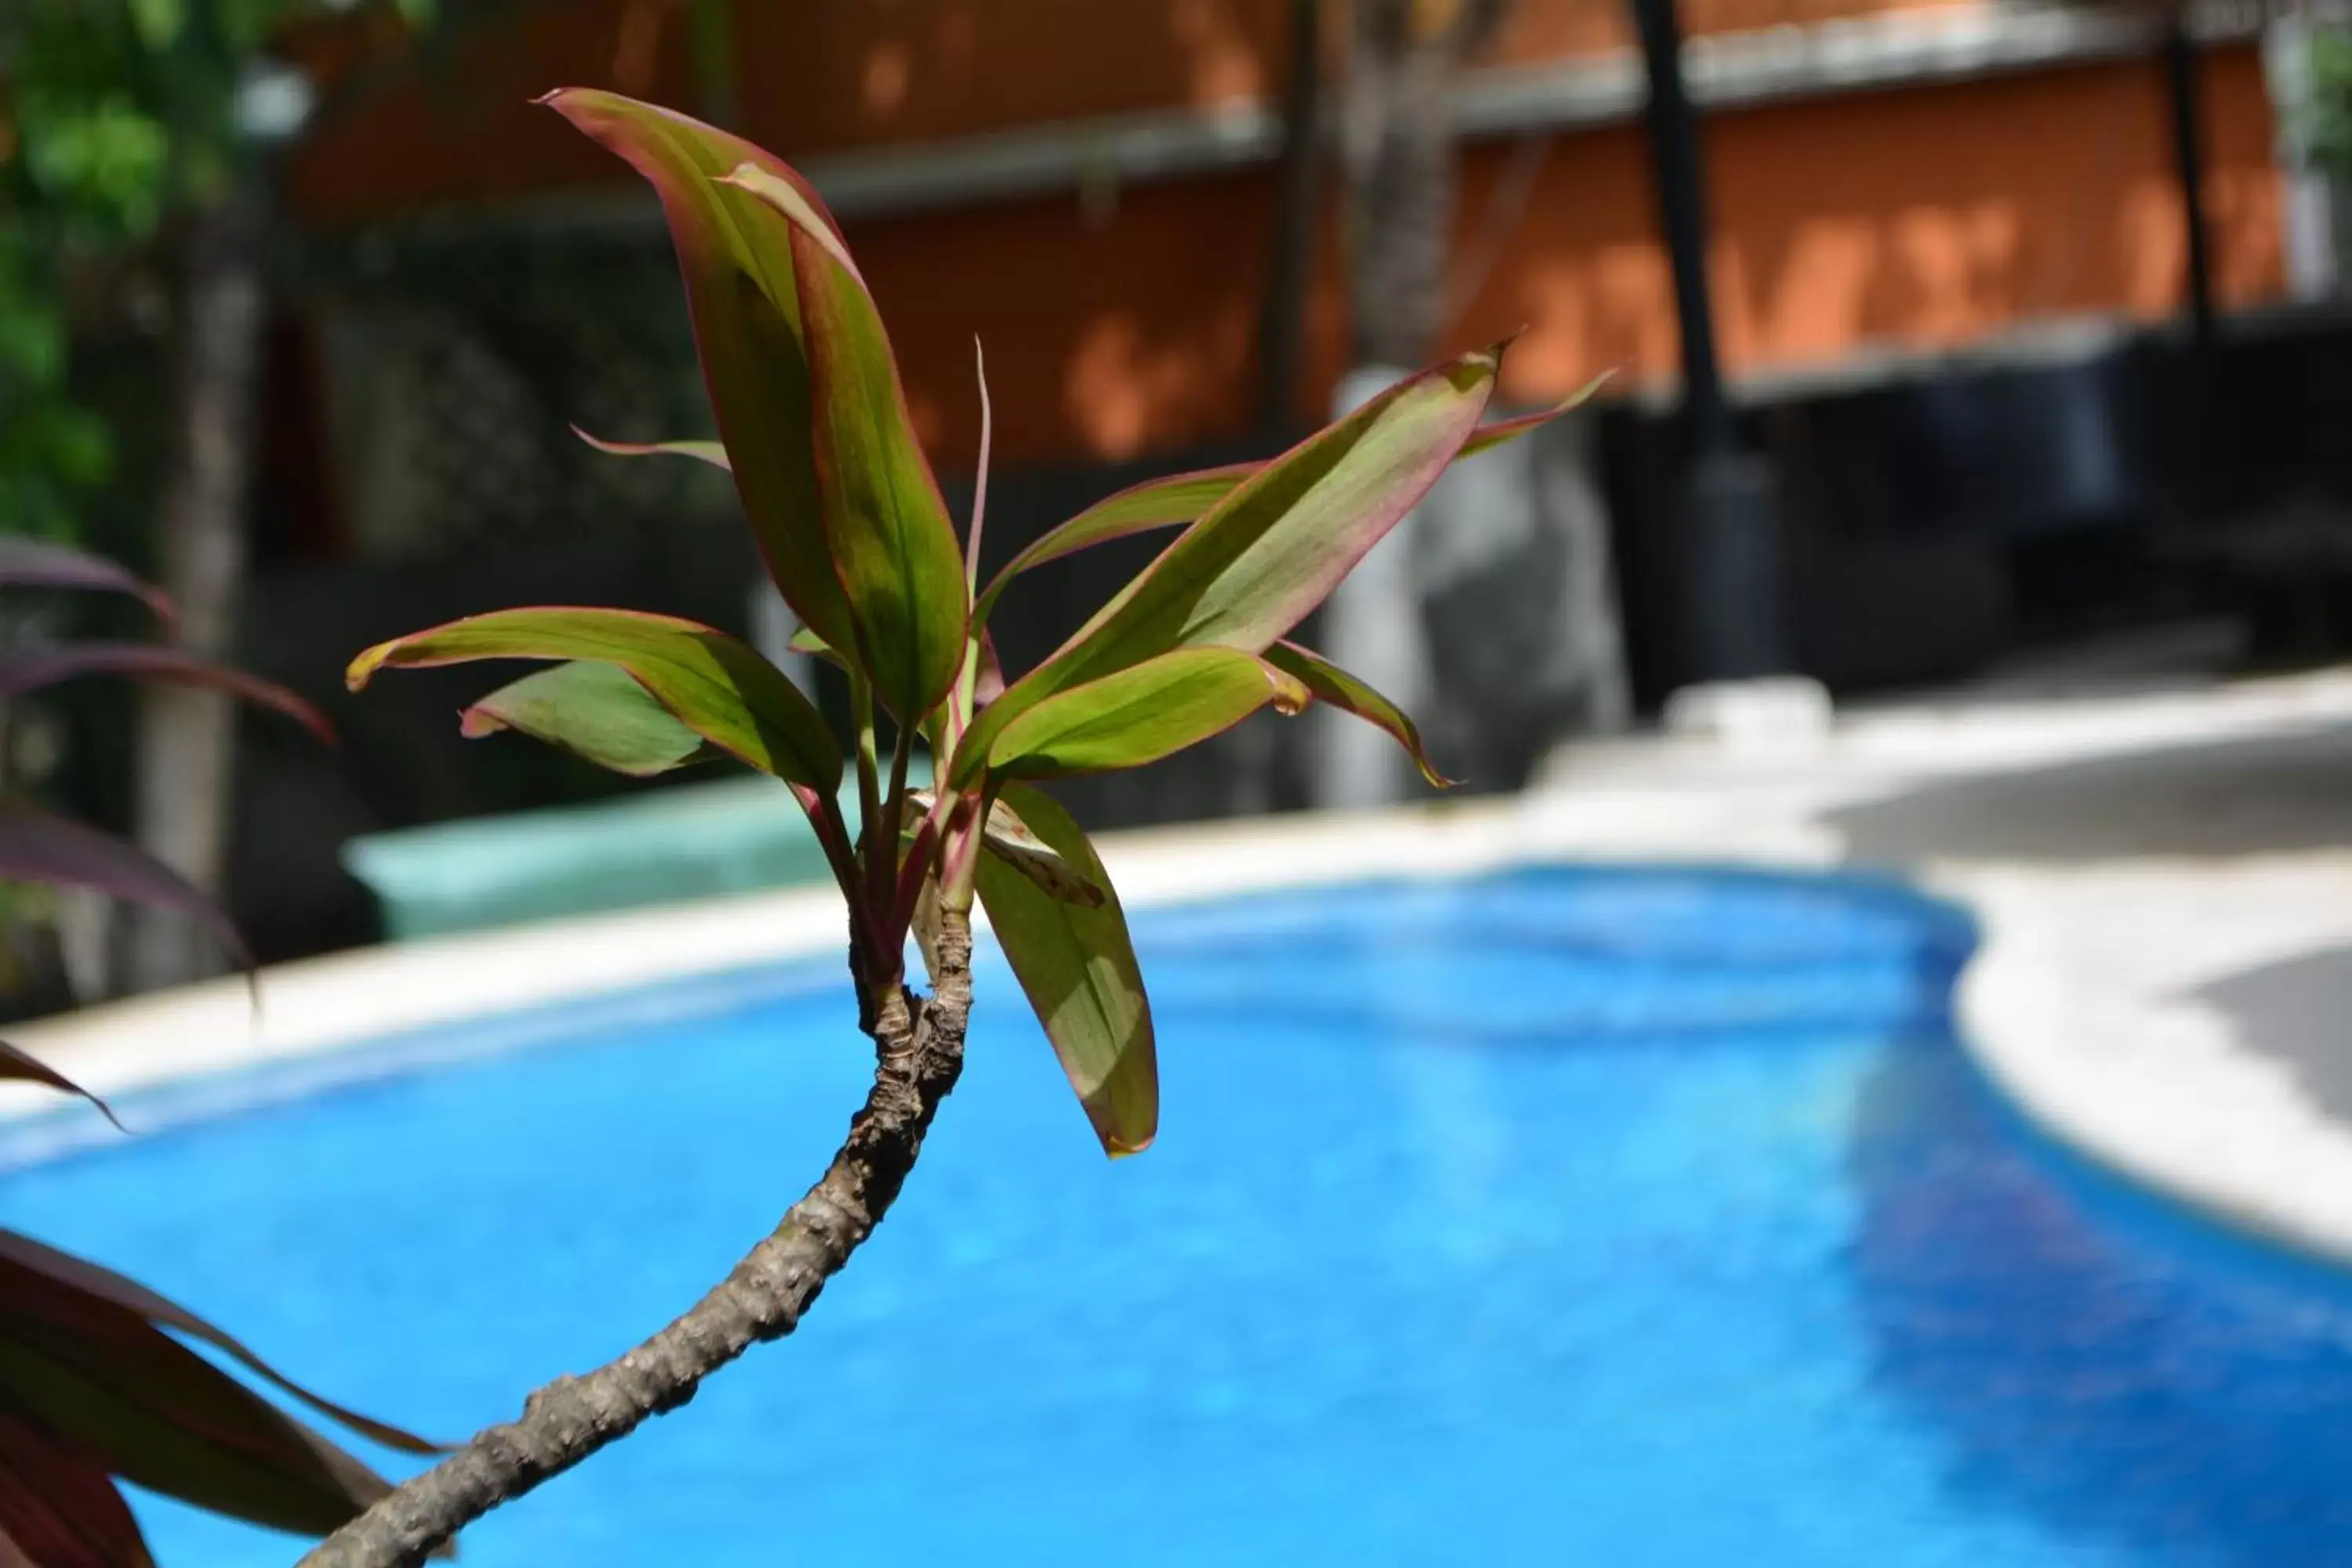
{"x":813,"y":427}
{"x":94,"y":1381}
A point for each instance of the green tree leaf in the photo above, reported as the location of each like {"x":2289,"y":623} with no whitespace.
{"x":892,"y":543}
{"x":158,"y":23}
{"x":1181,"y":498}
{"x":1139,"y":509}
{"x":1132,"y":717}
{"x":1273,"y":548}
{"x":1076,"y":965}
{"x":596,"y":711}
{"x":1336,"y":686}
{"x":714,"y":685}
{"x":735,"y":254}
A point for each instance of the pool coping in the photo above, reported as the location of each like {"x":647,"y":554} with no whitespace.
{"x":2077,"y":1005}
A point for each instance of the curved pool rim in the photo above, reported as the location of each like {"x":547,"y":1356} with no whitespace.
{"x":364,"y":1013}
{"x":1896,"y":1273}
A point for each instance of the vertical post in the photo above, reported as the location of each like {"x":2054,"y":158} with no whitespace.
{"x":1731,"y":611}
{"x":2189,"y":163}
{"x":1281,"y":327}
{"x":1681,"y":214}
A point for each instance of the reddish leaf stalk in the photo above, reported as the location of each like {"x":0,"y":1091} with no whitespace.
{"x":979,"y":483}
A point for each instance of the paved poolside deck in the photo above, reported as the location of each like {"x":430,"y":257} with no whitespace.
{"x":2164,"y":878}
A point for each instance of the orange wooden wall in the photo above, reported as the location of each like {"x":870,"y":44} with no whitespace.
{"x":1918,"y":216}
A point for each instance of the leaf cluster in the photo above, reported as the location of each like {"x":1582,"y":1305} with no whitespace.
{"x":813,"y":425}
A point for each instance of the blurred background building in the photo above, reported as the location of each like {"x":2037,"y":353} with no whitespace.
{"x":2012,"y":391}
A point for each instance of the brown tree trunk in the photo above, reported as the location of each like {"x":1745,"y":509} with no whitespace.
{"x":1398,"y":149}
{"x":919,"y":1054}
{"x":188,"y":736}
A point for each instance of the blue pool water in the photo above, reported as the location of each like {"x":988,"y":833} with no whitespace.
{"x":1617,"y":1217}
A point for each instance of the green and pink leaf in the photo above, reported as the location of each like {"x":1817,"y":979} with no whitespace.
{"x":715,"y":685}
{"x":893,"y":544}
{"x":596,"y":711}
{"x":1076,"y":965}
{"x":735,"y":255}
{"x":1336,"y":687}
{"x":1129,"y":718}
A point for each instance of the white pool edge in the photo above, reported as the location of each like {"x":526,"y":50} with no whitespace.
{"x":2135,"y":1075}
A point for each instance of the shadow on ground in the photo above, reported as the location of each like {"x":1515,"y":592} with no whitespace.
{"x":2297,"y":1012}
{"x":2230,"y":796}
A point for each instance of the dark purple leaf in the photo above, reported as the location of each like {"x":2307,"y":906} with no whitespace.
{"x":29,"y":669}
{"x":32,"y":563}
{"x":107,"y":1380}
{"x":115,"y":1289}
{"x":58,"y":1507}
{"x":17,"y":1064}
{"x":40,"y":846}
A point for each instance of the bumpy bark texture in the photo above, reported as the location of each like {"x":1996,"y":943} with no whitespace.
{"x":919,"y":1053}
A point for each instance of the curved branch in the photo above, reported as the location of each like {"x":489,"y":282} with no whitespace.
{"x":918,"y":1052}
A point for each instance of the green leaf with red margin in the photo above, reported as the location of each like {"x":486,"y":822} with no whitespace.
{"x":711,"y":452}
{"x":596,"y":711}
{"x":1273,"y":549}
{"x":38,"y":846}
{"x":1133,"y":716}
{"x":64,"y":1269}
{"x":153,"y":1412}
{"x":893,"y":544}
{"x":30,"y":669}
{"x":735,"y":255}
{"x":1076,"y":965}
{"x":58,"y":1507}
{"x":1181,"y":498}
{"x":1338,"y":689}
{"x":35,"y":563}
{"x":715,"y":685}
{"x":1139,"y":509}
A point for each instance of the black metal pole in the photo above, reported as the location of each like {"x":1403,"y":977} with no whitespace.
{"x":1732,"y":614}
{"x":2188,"y":162}
{"x":1682,"y":213}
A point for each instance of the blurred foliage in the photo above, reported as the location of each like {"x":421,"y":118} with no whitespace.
{"x":115,"y":115}
{"x":2327,"y":105}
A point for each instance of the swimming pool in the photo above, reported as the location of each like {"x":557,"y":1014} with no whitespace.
{"x":1634,"y":1217}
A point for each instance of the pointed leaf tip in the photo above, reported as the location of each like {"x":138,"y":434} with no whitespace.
{"x":1339,"y":688}
{"x":1076,"y":965}
{"x":711,"y":452}
{"x":30,"y":1068}
{"x":713,"y":684}
{"x":596,"y":711}
{"x":893,"y":544}
{"x":735,"y":256}
{"x":1126,"y":718}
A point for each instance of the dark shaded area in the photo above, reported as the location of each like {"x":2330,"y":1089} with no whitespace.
{"x":1940,"y":511}
{"x":2091,"y":1358}
{"x":2226,"y":797}
{"x":2297,"y":1012}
